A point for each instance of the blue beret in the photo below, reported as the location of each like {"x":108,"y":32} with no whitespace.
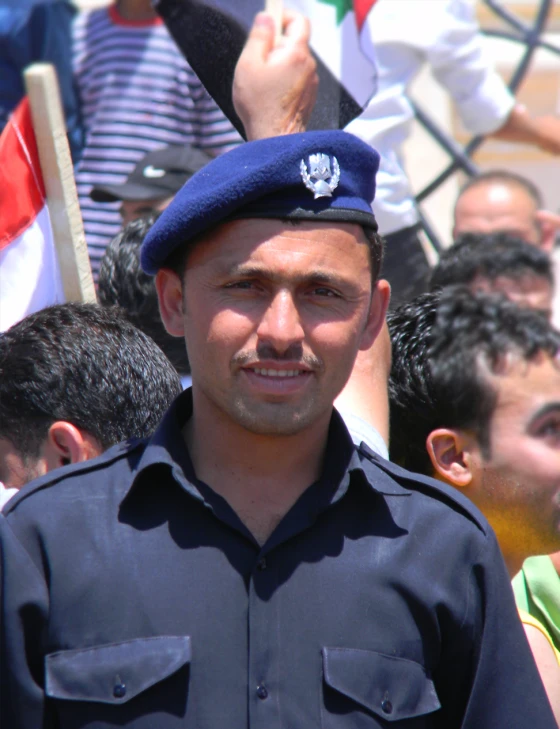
{"x":319,"y":176}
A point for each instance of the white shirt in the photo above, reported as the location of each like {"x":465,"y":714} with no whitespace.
{"x":360,"y":431}
{"x":407,"y":34}
{"x":5,"y":495}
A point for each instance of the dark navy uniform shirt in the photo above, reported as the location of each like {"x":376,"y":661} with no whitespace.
{"x":133,"y":596}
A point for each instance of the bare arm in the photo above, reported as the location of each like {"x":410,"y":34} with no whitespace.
{"x":365,"y":394}
{"x":556,"y":561}
{"x":547,"y":664}
{"x":275,"y":82}
{"x":540,"y":131}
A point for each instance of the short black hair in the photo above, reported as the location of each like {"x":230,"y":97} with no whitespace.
{"x":86,"y":365}
{"x":122,"y":282}
{"x":442,"y":343}
{"x":507,"y":178}
{"x":177,"y":261}
{"x":490,"y":255}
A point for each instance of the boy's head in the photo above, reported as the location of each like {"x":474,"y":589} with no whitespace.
{"x":498,"y":263}
{"x":499,"y":201}
{"x":122,"y":282}
{"x":76,"y":379}
{"x":475,"y":402}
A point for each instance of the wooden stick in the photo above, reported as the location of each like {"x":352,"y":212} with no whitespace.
{"x":274,"y":8}
{"x":58,"y":174}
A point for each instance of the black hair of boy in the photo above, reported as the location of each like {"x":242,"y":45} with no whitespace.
{"x":86,"y":365}
{"x":443,"y":342}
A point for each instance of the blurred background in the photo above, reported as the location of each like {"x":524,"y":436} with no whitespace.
{"x":540,"y":90}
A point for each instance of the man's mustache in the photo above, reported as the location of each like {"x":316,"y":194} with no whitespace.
{"x":293,"y":355}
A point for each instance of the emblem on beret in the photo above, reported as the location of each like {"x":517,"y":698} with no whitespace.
{"x":319,"y":178}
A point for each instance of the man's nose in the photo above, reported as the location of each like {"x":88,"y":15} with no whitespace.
{"x":281,"y":326}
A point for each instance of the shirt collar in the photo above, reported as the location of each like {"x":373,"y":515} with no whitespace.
{"x":342,"y":459}
{"x":167,"y":445}
{"x":6,"y":494}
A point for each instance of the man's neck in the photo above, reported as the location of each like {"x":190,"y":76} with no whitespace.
{"x":556,"y":561}
{"x":261,"y":477}
{"x":514,"y":563}
{"x":136,"y":9}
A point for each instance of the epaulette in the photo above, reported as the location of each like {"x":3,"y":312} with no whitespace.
{"x":133,"y":447}
{"x":428,"y":486}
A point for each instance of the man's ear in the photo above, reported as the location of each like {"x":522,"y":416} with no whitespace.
{"x":170,"y":295}
{"x":380,"y":298}
{"x":451,"y":455}
{"x":549,"y":224}
{"x":68,"y":444}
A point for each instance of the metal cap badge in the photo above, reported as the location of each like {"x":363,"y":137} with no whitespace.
{"x":319,"y":178}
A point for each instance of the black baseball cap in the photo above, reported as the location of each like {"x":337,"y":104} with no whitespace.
{"x":158,"y":175}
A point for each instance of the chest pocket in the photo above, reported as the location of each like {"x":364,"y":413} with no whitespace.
{"x":365,"y":689}
{"x":115,"y":673}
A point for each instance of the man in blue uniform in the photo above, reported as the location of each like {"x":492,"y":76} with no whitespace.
{"x":247,"y":566}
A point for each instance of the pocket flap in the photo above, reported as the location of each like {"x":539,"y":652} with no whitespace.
{"x":390,"y":687}
{"x":116,"y":672}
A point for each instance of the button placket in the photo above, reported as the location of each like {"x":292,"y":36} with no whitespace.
{"x":263,"y":646}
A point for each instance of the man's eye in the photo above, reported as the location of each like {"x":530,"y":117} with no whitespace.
{"x":324,"y":291}
{"x":240,"y":285}
{"x":550,"y":429}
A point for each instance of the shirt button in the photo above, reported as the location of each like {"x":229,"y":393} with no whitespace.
{"x":119,"y":690}
{"x":387,"y":706}
{"x":261,"y":564}
{"x":262,"y":691}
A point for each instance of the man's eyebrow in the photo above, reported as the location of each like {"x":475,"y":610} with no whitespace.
{"x":249,"y":271}
{"x":550,"y":408}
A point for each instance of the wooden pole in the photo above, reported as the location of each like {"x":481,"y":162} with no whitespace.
{"x":58,"y":174}
{"x":274,"y":8}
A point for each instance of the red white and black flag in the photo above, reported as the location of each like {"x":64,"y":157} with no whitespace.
{"x":211,"y":35}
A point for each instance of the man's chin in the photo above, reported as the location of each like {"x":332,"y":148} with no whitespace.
{"x":276,"y":420}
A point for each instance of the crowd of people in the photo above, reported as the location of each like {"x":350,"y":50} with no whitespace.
{"x":284,"y":473}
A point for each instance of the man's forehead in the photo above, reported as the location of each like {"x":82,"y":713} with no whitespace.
{"x":262,"y":229}
{"x":475,"y":215}
{"x":526,"y":384}
{"x":247,"y":240}
{"x":525,"y":286}
{"x":497,"y":198}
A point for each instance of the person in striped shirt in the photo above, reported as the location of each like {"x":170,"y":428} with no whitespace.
{"x":137,"y":94}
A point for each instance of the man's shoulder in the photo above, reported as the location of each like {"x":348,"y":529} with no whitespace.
{"x":431,"y":494}
{"x":111,"y":469}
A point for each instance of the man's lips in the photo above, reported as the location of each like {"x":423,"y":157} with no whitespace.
{"x":277,"y":371}
{"x":272,"y":369}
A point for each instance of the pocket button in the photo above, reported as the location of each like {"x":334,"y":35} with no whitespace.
{"x":386,"y":706}
{"x":119,"y":690}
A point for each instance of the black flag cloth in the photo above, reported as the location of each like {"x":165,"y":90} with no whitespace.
{"x":211,"y":35}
